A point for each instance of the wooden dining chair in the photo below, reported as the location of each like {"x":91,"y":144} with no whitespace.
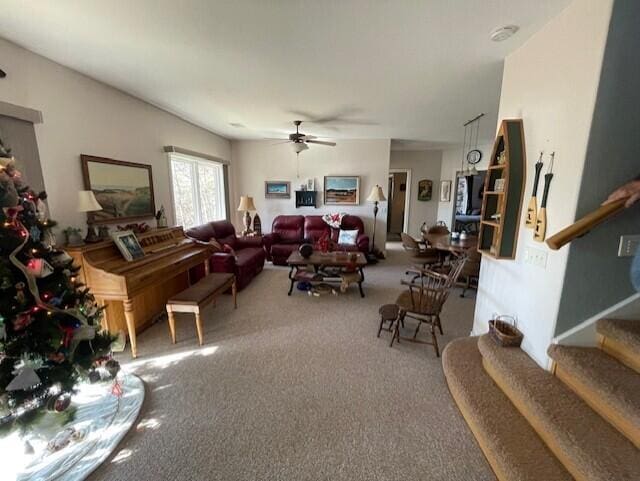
{"x":471,"y":270}
{"x":422,"y":256}
{"x":438,"y":229}
{"x":423,"y":301}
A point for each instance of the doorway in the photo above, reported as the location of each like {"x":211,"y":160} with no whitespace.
{"x":468,"y":193}
{"x":397,"y":206}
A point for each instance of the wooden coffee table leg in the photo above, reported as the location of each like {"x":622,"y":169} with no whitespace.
{"x":199,"y":327}
{"x":292,"y":279}
{"x":234,"y":291}
{"x":172,"y":324}
{"x":360,"y":282}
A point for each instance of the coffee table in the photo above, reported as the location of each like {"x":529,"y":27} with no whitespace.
{"x":319,"y":260}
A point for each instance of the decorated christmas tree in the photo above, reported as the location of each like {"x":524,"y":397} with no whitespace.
{"x":49,"y":321}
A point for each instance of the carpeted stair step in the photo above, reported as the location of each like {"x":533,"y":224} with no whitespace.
{"x":512,"y":447}
{"x":621,"y":339}
{"x":609,"y":387}
{"x":588,"y":446}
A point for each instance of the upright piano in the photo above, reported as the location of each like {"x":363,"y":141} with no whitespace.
{"x":135,"y":292}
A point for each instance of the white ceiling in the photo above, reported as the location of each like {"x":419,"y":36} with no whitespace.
{"x":405,"y":69}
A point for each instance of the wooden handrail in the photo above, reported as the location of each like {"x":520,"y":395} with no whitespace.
{"x":585,"y":224}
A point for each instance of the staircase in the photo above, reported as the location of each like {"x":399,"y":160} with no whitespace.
{"x":581,"y":421}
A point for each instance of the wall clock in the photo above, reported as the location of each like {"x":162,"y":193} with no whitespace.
{"x":474,"y":156}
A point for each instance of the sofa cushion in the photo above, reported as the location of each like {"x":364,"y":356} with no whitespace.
{"x":229,"y":240}
{"x":290,"y":228}
{"x":250,"y":255}
{"x":315,"y":228}
{"x":203,"y":232}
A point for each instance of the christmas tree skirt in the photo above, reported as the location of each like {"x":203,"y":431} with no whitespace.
{"x":104,"y":413}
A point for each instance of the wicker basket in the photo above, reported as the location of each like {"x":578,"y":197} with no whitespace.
{"x":503,"y":331}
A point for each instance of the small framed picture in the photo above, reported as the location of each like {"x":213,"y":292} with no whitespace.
{"x":311,"y":185}
{"x":445,"y":191}
{"x":425,"y":188}
{"x":128,"y":244}
{"x":499,"y":185}
{"x":277,"y":189}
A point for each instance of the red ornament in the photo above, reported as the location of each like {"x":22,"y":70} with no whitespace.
{"x":22,"y":320}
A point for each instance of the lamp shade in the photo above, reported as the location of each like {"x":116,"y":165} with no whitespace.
{"x":87,"y":201}
{"x":246,"y":204}
{"x":376,"y":195}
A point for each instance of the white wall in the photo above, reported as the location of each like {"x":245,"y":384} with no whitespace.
{"x":253,"y":162}
{"x":83,"y":116}
{"x":551,"y":83}
{"x":424,"y":164}
{"x":451,"y":159}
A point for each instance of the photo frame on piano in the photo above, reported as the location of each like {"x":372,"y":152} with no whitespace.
{"x":128,"y":244}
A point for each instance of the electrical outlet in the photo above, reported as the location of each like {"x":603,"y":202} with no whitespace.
{"x":629,"y":245}
{"x":535,"y":257}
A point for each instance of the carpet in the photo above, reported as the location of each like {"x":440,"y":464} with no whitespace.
{"x":298,"y":388}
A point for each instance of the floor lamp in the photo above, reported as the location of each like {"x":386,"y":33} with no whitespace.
{"x":375,"y":196}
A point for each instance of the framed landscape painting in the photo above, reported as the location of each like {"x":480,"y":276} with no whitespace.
{"x":342,"y":190}
{"x":123,"y":189}
{"x":277,"y":189}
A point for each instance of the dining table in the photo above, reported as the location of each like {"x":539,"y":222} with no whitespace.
{"x":445,"y":242}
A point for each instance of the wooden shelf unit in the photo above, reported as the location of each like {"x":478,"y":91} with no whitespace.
{"x":306,"y":198}
{"x":499,"y":237}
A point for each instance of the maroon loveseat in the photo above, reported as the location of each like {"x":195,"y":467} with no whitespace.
{"x":288,"y":232}
{"x":249,"y":253}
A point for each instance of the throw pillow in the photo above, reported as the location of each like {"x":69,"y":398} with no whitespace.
{"x":216,"y":245}
{"x":347,"y":237}
{"x":333,"y":220}
{"x":229,"y":250}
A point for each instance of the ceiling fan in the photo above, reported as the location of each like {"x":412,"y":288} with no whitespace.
{"x":299,"y":141}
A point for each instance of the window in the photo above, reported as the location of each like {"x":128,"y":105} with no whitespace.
{"x":198,"y":190}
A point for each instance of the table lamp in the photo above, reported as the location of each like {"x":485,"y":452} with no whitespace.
{"x":376,"y":196}
{"x":246,"y":204}
{"x":87,"y":203}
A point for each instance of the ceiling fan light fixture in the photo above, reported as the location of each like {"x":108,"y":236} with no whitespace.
{"x":299,"y":147}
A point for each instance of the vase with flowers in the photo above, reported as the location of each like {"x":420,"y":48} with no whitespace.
{"x":324,"y":243}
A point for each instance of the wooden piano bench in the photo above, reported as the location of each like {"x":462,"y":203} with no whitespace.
{"x":198,"y":296}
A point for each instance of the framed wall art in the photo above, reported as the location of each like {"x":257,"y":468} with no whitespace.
{"x":425,"y":190}
{"x":277,"y":189}
{"x":123,"y":189}
{"x":445,"y":191}
{"x":342,"y":190}
{"x":128,"y":244}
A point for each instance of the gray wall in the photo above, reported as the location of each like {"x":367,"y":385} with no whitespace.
{"x":595,"y":277}
{"x":20,"y":137}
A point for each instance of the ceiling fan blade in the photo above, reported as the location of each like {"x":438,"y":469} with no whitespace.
{"x":321,"y":142}
{"x":281,"y":142}
{"x":308,"y":137}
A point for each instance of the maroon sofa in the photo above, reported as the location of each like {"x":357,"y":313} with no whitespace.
{"x":288,"y":232}
{"x":250,"y":255}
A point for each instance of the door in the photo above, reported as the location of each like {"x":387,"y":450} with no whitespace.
{"x":396,"y":205}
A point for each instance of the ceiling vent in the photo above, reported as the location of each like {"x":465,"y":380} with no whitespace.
{"x":502,"y":33}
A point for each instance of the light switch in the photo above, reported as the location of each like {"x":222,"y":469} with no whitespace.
{"x":536,"y":257}
{"x":628,"y":245}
